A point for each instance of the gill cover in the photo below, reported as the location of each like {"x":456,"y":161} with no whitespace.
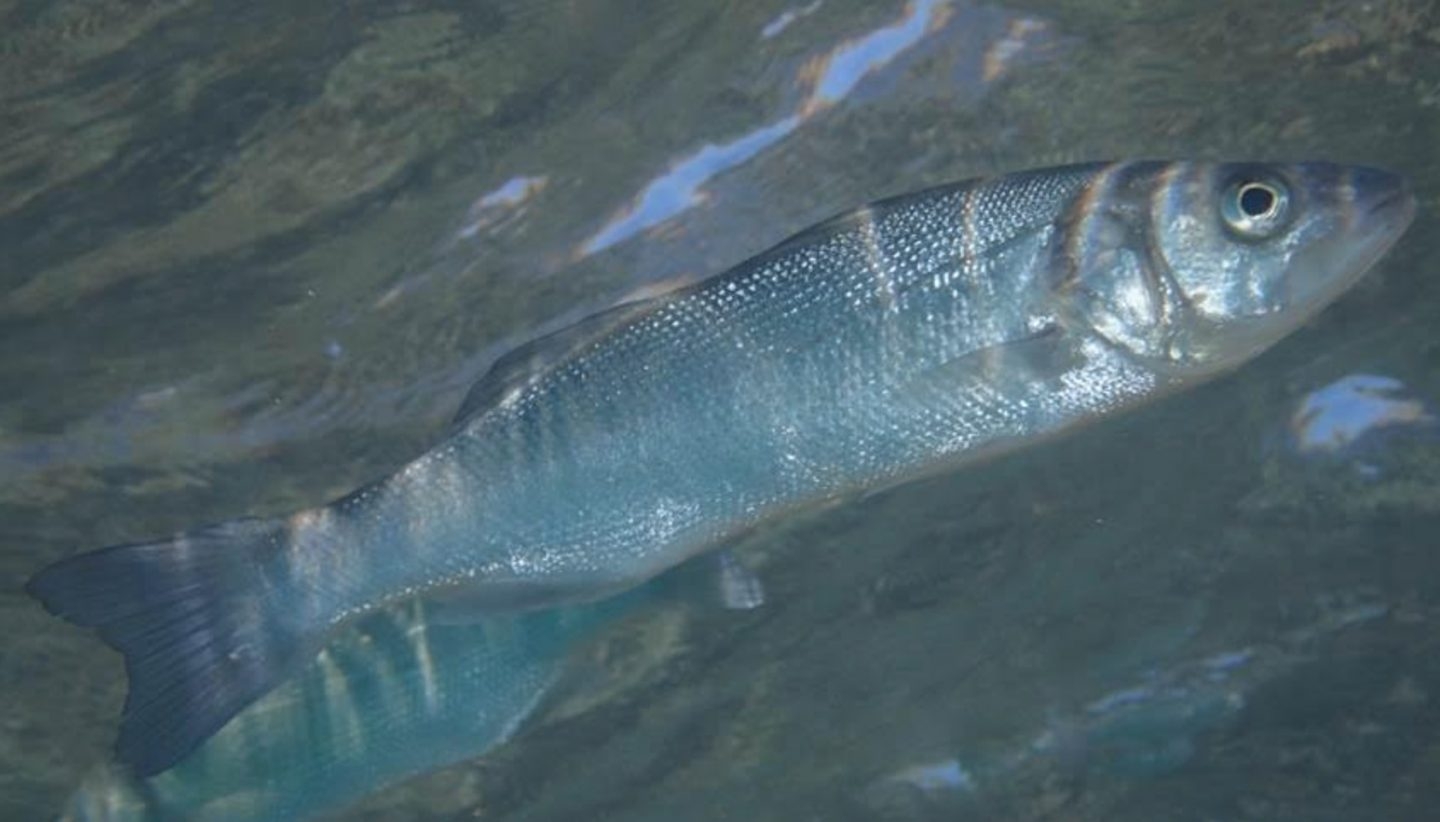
{"x":1196,"y":267}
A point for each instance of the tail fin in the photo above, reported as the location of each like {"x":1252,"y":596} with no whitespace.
{"x":198,"y":621}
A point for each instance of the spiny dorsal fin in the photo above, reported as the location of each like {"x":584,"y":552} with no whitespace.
{"x":519,"y":366}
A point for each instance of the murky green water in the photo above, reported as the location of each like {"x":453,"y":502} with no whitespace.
{"x":252,"y":257}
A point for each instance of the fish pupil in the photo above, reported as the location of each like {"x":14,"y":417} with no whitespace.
{"x":1256,"y":200}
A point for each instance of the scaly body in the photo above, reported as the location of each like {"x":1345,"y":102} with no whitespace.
{"x":912,"y":335}
{"x":838,"y":362}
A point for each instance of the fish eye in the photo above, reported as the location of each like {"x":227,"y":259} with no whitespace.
{"x":1255,"y":208}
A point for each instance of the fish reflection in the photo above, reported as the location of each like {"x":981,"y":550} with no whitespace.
{"x":408,"y":691}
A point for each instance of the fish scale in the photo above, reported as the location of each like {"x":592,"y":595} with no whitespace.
{"x":911,"y":336}
{"x":822,"y":353}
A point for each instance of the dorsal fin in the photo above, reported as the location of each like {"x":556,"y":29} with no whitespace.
{"x":517,"y":367}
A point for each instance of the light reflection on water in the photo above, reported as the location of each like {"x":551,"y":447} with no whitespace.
{"x":680,"y":188}
{"x":504,"y":203}
{"x":787,"y":17}
{"x":976,"y":44}
{"x":1337,"y":417}
{"x":831,"y":77}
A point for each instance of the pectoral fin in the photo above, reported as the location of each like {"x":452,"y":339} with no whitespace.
{"x":1041,"y":356}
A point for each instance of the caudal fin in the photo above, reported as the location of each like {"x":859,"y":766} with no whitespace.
{"x":198,"y":621}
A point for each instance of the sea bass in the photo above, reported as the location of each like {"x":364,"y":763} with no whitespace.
{"x":907,"y":337}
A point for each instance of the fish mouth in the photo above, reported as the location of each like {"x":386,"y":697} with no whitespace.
{"x":1390,"y":219}
{"x":1382,"y":220}
{"x":1386,"y":203}
{"x":1400,"y":202}
{"x":1401,"y":197}
{"x":1390,"y":214}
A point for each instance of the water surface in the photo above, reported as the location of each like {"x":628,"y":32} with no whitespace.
{"x":254,"y":255}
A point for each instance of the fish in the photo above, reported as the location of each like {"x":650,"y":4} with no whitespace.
{"x":906,"y":338}
{"x":400,"y":692}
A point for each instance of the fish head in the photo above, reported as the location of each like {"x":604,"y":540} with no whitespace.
{"x":1194,"y":268}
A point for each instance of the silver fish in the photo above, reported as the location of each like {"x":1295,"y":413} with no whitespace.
{"x":904,"y":338}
